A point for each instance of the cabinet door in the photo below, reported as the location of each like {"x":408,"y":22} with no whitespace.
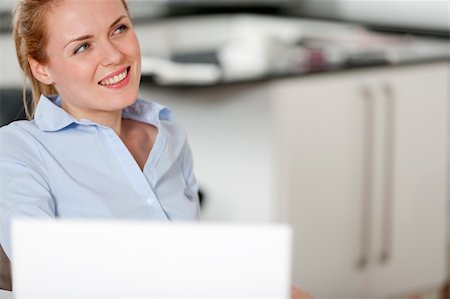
{"x":409,"y":239}
{"x":364,"y":160}
{"x":324,"y":128}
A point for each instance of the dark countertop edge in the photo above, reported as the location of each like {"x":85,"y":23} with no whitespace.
{"x":147,"y":81}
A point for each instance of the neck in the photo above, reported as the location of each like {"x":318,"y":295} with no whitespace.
{"x":113,"y":121}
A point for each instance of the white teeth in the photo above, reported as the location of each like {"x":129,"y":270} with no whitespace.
{"x":116,"y":79}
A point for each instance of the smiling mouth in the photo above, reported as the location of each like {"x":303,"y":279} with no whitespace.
{"x":116,"y":79}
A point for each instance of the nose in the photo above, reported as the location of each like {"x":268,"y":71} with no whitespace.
{"x":110,"y":53}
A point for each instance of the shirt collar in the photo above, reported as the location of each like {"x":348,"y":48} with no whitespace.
{"x":147,"y":112}
{"x":51,"y":117}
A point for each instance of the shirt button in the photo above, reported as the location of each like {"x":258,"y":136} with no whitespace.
{"x":150,"y":200}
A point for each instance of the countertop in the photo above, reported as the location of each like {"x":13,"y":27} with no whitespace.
{"x":229,"y":49}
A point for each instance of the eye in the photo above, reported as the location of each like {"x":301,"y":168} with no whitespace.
{"x":82,"y":48}
{"x":120,"y":29}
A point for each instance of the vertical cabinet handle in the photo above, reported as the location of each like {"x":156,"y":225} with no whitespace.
{"x":387,"y":209}
{"x":367,"y":192}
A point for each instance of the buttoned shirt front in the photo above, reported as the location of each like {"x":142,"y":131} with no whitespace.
{"x":58,"y":166}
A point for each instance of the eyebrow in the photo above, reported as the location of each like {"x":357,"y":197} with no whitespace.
{"x":84,"y":37}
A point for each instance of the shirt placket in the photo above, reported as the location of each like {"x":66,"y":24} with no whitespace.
{"x":136,"y":177}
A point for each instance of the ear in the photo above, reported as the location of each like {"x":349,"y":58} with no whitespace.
{"x":40,"y":71}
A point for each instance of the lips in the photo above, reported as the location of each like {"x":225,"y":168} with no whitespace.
{"x":115,"y":78}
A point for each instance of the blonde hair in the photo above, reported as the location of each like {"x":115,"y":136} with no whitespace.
{"x":30,"y":38}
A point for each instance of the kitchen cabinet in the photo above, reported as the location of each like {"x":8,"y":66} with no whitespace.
{"x":363,"y":167}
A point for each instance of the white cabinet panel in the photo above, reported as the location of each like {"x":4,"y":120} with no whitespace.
{"x":417,"y":228}
{"x":365,"y":160}
{"x":324,"y":128}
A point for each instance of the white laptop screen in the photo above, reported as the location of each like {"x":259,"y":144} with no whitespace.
{"x":129,"y":259}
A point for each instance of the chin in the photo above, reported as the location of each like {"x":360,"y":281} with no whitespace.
{"x":129,"y":100}
{"x":124,"y":98}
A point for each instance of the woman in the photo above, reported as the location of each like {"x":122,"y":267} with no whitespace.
{"x":92,"y":148}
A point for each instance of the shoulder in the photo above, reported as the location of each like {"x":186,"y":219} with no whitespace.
{"x":19,"y":140}
{"x":15,"y":131}
{"x":175,"y":131}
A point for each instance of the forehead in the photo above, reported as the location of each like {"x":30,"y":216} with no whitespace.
{"x":71,"y":18}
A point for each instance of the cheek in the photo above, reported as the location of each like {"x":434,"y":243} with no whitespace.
{"x":134,"y":47}
{"x":138,"y":57}
{"x":68,"y":74}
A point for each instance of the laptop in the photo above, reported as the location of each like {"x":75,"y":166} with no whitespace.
{"x":87,"y":259}
{"x":5,"y":294}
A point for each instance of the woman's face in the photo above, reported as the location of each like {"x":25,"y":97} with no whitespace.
{"x":93,"y":56}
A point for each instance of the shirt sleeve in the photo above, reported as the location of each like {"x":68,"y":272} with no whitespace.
{"x":24,"y":190}
{"x":192,"y":187}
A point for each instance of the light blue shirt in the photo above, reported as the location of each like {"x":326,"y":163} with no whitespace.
{"x":58,"y":166}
